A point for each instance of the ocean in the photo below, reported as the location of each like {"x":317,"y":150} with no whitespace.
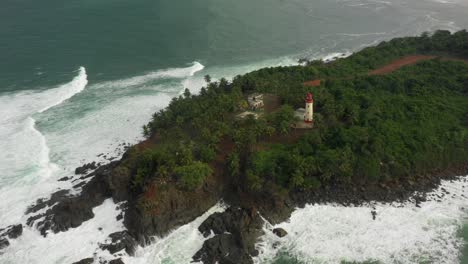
{"x":79,"y":78}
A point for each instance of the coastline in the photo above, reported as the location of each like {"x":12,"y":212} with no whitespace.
{"x":172,"y":207}
{"x":265,"y":206}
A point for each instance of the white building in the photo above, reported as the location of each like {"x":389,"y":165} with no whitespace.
{"x":255,"y":101}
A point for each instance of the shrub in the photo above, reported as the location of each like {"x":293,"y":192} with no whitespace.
{"x":192,"y":176}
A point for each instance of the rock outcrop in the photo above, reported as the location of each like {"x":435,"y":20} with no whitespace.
{"x":10,"y":232}
{"x":86,"y":167}
{"x":120,"y":241}
{"x":166,"y":207}
{"x":280,"y":232}
{"x":85,"y":261}
{"x":68,"y":211}
{"x":236,"y":231}
{"x":116,"y":261}
{"x":13,"y":231}
{"x":4,"y":243}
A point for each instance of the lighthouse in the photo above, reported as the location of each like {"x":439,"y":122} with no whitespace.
{"x":309,"y":109}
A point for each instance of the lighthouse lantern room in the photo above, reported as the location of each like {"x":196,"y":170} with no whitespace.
{"x":309,"y":109}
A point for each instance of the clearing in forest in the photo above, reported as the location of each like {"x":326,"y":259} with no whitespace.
{"x":395,"y":65}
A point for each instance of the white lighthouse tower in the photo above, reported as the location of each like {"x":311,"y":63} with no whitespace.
{"x":309,"y":109}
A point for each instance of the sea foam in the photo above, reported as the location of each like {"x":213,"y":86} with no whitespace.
{"x":65,"y":247}
{"x":401,"y":233}
{"x":25,"y":157}
{"x":177,"y":73}
{"x":68,"y":90}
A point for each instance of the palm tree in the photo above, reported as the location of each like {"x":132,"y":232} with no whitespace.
{"x":207,"y":78}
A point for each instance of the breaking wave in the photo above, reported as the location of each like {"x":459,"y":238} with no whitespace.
{"x":401,"y":232}
{"x":68,"y":90}
{"x":177,"y":73}
{"x":177,"y":247}
{"x":46,"y":167}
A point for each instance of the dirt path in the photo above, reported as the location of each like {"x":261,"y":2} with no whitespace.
{"x":392,"y":66}
{"x":397,"y":64}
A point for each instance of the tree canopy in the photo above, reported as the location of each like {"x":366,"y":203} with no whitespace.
{"x":367,"y":128}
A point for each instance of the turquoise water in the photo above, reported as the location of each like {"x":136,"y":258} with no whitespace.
{"x":80,"y":77}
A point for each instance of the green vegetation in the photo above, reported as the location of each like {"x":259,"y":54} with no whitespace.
{"x":192,"y":176}
{"x":367,"y":128}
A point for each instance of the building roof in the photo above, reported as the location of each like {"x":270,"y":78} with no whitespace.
{"x":255,"y":99}
{"x":313,"y":83}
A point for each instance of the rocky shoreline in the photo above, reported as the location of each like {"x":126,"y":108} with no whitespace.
{"x":231,"y":234}
{"x":240,"y":232}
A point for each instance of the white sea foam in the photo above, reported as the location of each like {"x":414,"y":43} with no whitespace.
{"x":64,"y":247}
{"x":80,"y":138}
{"x":46,"y":166}
{"x":17,"y":107}
{"x":24,"y":147}
{"x":25,"y":162}
{"x":401,"y":233}
{"x":71,"y":131}
{"x":68,"y":90}
{"x":437,"y":23}
{"x":363,"y":34}
{"x":336,"y":55}
{"x":376,"y":5}
{"x":445,"y":1}
{"x":196,"y":82}
{"x":178,"y":73}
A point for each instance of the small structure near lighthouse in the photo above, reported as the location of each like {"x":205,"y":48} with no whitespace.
{"x":309,"y":109}
{"x":255,"y":101}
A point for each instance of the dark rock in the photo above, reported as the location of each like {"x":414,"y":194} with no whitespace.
{"x":43,"y":203}
{"x":64,"y":179}
{"x":14,"y":231}
{"x":69,"y":212}
{"x":236,"y":231}
{"x":119,"y":217}
{"x":85,"y":261}
{"x":280,"y":232}
{"x":171,"y":209}
{"x":4,"y":243}
{"x":79,"y":185}
{"x":119,"y":241}
{"x":116,"y":261}
{"x":222,"y":249}
{"x":374,"y":214}
{"x":85,"y":168}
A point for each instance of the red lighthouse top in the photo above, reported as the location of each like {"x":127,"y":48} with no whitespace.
{"x":309,"y":98}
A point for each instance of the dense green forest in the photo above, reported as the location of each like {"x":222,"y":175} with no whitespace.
{"x":367,"y":128}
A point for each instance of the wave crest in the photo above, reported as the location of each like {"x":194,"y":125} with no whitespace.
{"x":176,"y":73}
{"x":66,"y":91}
